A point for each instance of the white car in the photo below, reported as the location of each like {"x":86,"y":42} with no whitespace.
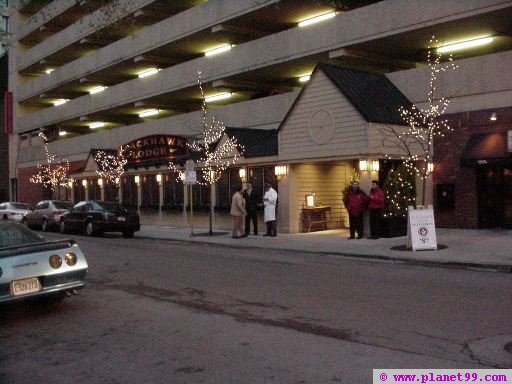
{"x":14,"y":211}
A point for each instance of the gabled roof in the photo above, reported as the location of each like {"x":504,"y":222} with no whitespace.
{"x":375,"y":97}
{"x":256,"y":142}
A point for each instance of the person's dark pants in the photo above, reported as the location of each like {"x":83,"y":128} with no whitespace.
{"x":251,"y":215}
{"x":356,"y":225}
{"x":271,"y":228}
{"x":375,"y":219}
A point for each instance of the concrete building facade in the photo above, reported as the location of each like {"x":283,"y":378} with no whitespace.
{"x":63,"y":51}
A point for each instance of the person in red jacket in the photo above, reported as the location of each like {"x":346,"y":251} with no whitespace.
{"x":376,"y":205}
{"x":355,"y":201}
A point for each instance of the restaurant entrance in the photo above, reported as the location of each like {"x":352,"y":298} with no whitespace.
{"x":494,"y":186}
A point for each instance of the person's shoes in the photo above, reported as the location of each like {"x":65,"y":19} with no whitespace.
{"x":267,"y":234}
{"x":245,"y":235}
{"x":374,"y":237}
{"x":273,"y":235}
{"x":351,"y":237}
{"x":236,"y":237}
{"x":359,"y":237}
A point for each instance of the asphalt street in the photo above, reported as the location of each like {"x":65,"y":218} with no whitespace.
{"x":163,"y":311}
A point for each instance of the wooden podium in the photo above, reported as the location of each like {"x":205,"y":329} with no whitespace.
{"x":312,"y":216}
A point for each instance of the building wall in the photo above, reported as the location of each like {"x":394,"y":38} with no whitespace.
{"x":327,"y":180}
{"x":448,"y":153}
{"x":322,"y":124}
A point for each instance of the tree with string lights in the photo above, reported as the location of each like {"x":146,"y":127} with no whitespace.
{"x":52,"y":173}
{"x":215,"y":151}
{"x":112,"y":166}
{"x":399,"y":191}
{"x":415,"y":144}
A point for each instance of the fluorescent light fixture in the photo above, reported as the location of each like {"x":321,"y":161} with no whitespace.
{"x":465,"y":44}
{"x":305,"y":78}
{"x":148,"y":72}
{"x":49,"y":70}
{"x":100,"y":182}
{"x":220,"y":96}
{"x":63,"y":133}
{"x":216,"y":51}
{"x":98,"y":89}
{"x":60,"y":102}
{"x":97,"y":124}
{"x":149,"y":112}
{"x":316,"y":19}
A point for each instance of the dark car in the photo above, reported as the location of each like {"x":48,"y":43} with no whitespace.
{"x":32,"y":267}
{"x":47,"y":214}
{"x":95,"y":217}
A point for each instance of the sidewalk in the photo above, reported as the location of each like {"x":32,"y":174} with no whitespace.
{"x":487,"y":249}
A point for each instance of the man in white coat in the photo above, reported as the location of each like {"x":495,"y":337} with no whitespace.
{"x":269,"y":216}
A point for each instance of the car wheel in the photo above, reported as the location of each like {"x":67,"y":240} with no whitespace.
{"x":62,"y":227}
{"x":128,"y":234}
{"x":89,"y":229}
{"x":44,"y":225}
{"x":5,"y":217}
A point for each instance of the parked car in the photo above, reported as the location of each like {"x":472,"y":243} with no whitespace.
{"x":47,"y":214}
{"x":95,"y":217}
{"x":14,"y":211}
{"x":33,"y":267}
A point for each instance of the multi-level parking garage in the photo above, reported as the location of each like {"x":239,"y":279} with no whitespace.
{"x":75,"y":74}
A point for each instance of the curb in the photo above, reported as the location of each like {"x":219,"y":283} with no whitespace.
{"x":498,"y":268}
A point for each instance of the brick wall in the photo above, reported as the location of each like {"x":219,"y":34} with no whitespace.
{"x":32,"y":193}
{"x":448,"y":153}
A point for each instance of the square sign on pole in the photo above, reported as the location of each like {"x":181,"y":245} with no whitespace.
{"x":190,"y":177}
{"x":190,"y":165}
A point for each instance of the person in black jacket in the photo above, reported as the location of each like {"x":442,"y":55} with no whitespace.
{"x":252,"y":199}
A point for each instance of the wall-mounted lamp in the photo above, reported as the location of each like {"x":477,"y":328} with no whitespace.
{"x":84,"y":182}
{"x":243,"y":174}
{"x":159,"y":179}
{"x":70,"y":184}
{"x":363,"y":165}
{"x":369,"y":165}
{"x":280,"y":171}
{"x":493,"y":117}
{"x":137,"y":179}
{"x":430,"y":167}
{"x":100,"y":182}
{"x":375,"y":165}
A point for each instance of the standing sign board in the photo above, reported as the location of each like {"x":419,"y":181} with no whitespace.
{"x":421,"y":229}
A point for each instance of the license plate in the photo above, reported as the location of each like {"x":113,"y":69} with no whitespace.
{"x":121,"y":219}
{"x":25,"y":286}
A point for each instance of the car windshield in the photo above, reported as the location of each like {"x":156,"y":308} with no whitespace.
{"x":62,"y":205}
{"x":20,"y":206}
{"x":14,"y":234}
{"x":112,"y":207}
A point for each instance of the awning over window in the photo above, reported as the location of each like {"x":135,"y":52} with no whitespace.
{"x":486,"y":149}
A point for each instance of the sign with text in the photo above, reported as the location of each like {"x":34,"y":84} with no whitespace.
{"x":509,"y":141}
{"x":156,"y":147}
{"x":190,"y":177}
{"x":421,"y":229}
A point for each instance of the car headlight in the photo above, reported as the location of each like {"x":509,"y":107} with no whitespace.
{"x":55,"y":261}
{"x":70,"y":258}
